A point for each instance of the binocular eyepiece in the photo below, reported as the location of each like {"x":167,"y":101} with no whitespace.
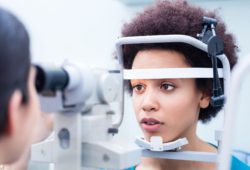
{"x":50,"y":79}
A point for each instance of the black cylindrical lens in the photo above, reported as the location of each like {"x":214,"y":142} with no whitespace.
{"x":50,"y":78}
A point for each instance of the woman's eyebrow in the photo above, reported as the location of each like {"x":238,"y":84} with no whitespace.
{"x":134,"y":81}
{"x":170,"y":80}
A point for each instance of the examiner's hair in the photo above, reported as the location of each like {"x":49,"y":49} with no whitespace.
{"x":178,"y":17}
{"x":14,"y":62}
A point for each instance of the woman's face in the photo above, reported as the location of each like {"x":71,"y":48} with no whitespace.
{"x":165,"y":107}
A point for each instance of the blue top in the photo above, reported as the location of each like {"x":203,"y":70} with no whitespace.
{"x":235,"y":165}
{"x":238,"y":164}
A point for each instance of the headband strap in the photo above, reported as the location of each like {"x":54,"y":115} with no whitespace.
{"x":169,"y":73}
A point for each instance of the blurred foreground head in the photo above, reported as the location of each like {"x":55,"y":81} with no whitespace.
{"x":19,"y":108}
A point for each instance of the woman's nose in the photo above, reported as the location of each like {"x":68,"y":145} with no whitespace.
{"x":150,"y":101}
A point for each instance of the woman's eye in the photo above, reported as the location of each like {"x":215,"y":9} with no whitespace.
{"x":138,"y":88}
{"x":167,"y":86}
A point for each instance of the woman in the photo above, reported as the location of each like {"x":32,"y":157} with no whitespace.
{"x":171,"y":108}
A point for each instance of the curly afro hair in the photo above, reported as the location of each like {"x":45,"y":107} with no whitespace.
{"x":179,"y":17}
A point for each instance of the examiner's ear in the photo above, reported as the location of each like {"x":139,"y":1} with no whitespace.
{"x":204,"y":101}
{"x":14,"y":108}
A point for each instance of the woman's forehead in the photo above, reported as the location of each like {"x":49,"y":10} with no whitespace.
{"x":159,"y":58}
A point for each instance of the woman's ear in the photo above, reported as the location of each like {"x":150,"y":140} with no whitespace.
{"x":14,"y":109}
{"x":204,"y":100}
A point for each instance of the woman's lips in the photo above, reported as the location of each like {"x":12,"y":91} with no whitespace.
{"x":150,"y":124}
